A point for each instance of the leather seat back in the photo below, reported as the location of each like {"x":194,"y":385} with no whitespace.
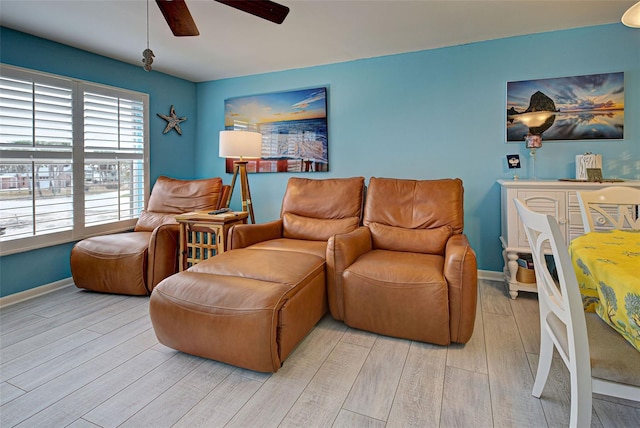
{"x":414,"y":215}
{"x":171,"y":196}
{"x":318,"y":209}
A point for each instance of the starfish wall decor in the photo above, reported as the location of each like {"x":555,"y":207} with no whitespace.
{"x":173,"y":121}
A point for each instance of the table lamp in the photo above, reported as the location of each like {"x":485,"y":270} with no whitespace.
{"x":241,"y":145}
{"x":533,"y":142}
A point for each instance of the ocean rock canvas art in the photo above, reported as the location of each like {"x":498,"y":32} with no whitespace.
{"x":589,"y":107}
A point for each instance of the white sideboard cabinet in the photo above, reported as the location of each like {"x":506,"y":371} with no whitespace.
{"x":557,"y":198}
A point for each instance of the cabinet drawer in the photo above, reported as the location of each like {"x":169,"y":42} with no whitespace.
{"x":545,"y":202}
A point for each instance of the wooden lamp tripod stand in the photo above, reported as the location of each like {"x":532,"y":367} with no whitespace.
{"x":241,"y":144}
{"x":240,"y":168}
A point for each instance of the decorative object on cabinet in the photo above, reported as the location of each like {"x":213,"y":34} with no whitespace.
{"x":540,"y":107}
{"x":173,"y":121}
{"x":241,"y":145}
{"x":293,"y":125}
{"x":587,"y":160}
{"x":513,"y":161}
{"x":557,"y":198}
{"x":594,"y":174}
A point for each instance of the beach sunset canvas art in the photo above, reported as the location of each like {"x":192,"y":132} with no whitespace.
{"x":293,"y":126}
{"x":589,"y":107}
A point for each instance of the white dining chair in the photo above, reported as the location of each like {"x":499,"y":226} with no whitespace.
{"x":610,"y":208}
{"x":598,"y":358}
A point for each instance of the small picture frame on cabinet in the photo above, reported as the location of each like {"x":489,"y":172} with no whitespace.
{"x":594,"y":174}
{"x":513,"y":161}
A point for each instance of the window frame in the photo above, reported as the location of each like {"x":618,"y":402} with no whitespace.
{"x":77,"y":158}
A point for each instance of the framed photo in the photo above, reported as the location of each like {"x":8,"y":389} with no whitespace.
{"x":587,"y":107}
{"x":293,"y":126}
{"x":594,"y":174}
{"x":513,"y":161}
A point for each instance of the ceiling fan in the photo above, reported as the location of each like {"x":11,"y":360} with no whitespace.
{"x":181,"y":23}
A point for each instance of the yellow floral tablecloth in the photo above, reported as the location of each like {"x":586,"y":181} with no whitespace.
{"x":607,"y":266}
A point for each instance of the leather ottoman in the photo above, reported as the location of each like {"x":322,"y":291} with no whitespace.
{"x":112,"y":263}
{"x":246,"y":307}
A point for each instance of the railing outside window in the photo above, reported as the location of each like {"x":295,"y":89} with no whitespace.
{"x":73,"y":159}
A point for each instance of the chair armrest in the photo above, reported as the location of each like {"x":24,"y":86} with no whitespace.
{"x":461,"y":273}
{"x":244,"y":235}
{"x":342,"y":251}
{"x":163,"y":254}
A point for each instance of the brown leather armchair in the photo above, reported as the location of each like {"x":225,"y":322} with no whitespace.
{"x":135,"y":262}
{"x":409,"y":272}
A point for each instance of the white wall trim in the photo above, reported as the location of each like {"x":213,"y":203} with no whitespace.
{"x":34,"y":292}
{"x":491,"y":275}
{"x":48,"y":288}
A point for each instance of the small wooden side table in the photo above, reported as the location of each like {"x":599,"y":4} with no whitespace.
{"x":203,"y":235}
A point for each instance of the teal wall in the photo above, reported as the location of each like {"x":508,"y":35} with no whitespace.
{"x":171,"y":154}
{"x":441,"y":113}
{"x":423,"y":115}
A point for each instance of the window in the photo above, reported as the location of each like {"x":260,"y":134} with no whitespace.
{"x":73,"y":159}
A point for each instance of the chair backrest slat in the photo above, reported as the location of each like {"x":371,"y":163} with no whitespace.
{"x":610,"y":208}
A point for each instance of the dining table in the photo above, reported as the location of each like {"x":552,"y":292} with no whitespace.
{"x":607,"y":266}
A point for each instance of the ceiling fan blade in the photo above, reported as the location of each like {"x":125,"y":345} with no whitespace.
{"x":265,"y":9}
{"x":178,"y":17}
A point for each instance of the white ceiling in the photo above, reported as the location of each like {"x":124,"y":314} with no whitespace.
{"x":233,"y":43}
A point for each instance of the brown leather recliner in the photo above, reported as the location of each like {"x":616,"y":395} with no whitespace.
{"x":409,"y":272}
{"x":135,"y":262}
{"x":251,"y":306}
{"x":312,"y":211}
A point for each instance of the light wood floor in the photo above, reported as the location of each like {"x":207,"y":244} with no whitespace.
{"x":79,"y":359}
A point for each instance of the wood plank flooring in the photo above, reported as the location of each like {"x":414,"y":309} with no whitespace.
{"x":80,"y":359}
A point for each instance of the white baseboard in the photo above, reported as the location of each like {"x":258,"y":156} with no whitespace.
{"x":490,"y":275}
{"x":48,"y":288}
{"x":34,"y":292}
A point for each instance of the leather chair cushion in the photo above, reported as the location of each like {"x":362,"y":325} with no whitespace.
{"x":315,"y":229}
{"x":426,"y":241}
{"x":317,"y":248}
{"x":173,"y":196}
{"x":112,"y":263}
{"x":148,"y":220}
{"x":398,"y":294}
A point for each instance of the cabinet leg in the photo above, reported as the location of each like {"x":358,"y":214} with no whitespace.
{"x":512,"y":269}
{"x":513,"y":293}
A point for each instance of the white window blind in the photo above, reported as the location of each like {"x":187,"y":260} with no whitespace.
{"x":72,"y":159}
{"x":114,"y":157}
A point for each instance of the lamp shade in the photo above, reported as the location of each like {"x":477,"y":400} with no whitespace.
{"x":631,"y":17}
{"x":240,"y":144}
